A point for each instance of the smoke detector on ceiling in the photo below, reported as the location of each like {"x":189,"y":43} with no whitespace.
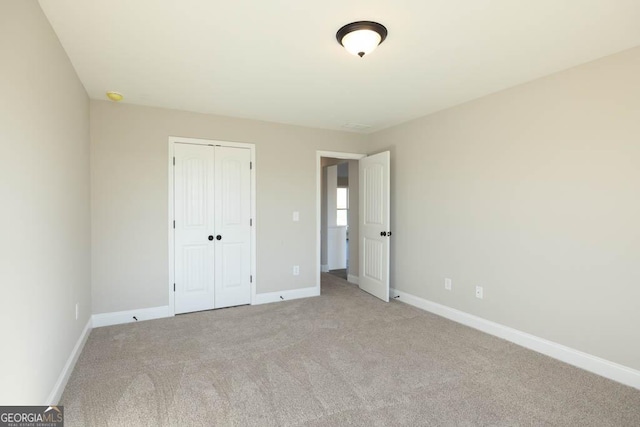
{"x":115,"y":96}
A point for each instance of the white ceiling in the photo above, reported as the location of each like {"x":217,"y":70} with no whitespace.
{"x":278,"y":60}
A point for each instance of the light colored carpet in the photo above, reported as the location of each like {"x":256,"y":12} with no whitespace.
{"x":343,"y":358}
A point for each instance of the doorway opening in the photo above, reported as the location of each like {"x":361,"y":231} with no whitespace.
{"x":337,"y":213}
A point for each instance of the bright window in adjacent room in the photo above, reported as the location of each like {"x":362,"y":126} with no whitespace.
{"x":343,"y":206}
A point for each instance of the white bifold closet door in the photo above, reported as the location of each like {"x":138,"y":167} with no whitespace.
{"x":212,"y":238}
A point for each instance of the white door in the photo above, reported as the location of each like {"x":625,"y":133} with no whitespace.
{"x":194,"y":227}
{"x":374,"y":225}
{"x":212,"y":211}
{"x":233,"y":229}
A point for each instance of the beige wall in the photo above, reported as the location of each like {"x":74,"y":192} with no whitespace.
{"x":44,"y":182}
{"x":129,"y":152}
{"x":533,"y":194}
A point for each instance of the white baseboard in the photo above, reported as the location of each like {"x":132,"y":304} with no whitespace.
{"x":119,"y":317}
{"x":61,"y":383}
{"x":286,"y":295}
{"x":324,"y":268}
{"x":588,"y":362}
{"x":353,"y":279}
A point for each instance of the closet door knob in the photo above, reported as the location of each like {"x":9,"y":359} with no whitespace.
{"x":210,"y":237}
{"x":383,"y":233}
{"x":218,"y":237}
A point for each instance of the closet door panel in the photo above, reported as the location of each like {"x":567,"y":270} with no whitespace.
{"x":232,"y":224}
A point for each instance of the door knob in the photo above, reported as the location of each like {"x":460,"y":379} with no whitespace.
{"x":389,"y":234}
{"x":218,"y":237}
{"x":383,"y":233}
{"x":210,"y":237}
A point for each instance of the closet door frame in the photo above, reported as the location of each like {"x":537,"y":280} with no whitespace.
{"x":170,"y":230}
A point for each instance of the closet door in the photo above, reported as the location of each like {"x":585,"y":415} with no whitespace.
{"x":194,"y":215}
{"x":232,"y":225}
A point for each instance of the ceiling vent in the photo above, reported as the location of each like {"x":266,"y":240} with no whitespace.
{"x":356,"y":126}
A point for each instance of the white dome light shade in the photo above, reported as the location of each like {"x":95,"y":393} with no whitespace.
{"x":361,"y":42}
{"x":361,"y":38}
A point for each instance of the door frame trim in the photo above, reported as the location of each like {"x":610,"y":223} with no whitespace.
{"x":170,"y":212}
{"x":319,"y":155}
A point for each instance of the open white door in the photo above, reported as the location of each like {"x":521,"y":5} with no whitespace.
{"x":375,"y":224}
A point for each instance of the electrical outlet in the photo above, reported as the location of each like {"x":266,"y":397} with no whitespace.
{"x":296,"y":216}
{"x":296,"y":270}
{"x":479,"y":292}
{"x":77,"y":311}
{"x":447,"y":283}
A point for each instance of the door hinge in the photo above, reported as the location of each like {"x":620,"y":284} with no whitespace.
{"x":250,"y":279}
{"x":174,"y":223}
{"x":250,"y":165}
{"x":174,"y":161}
{"x":250,"y":222}
{"x":174,"y":287}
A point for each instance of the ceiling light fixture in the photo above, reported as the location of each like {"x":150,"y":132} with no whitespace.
{"x":362,"y":37}
{"x":115,"y":96}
